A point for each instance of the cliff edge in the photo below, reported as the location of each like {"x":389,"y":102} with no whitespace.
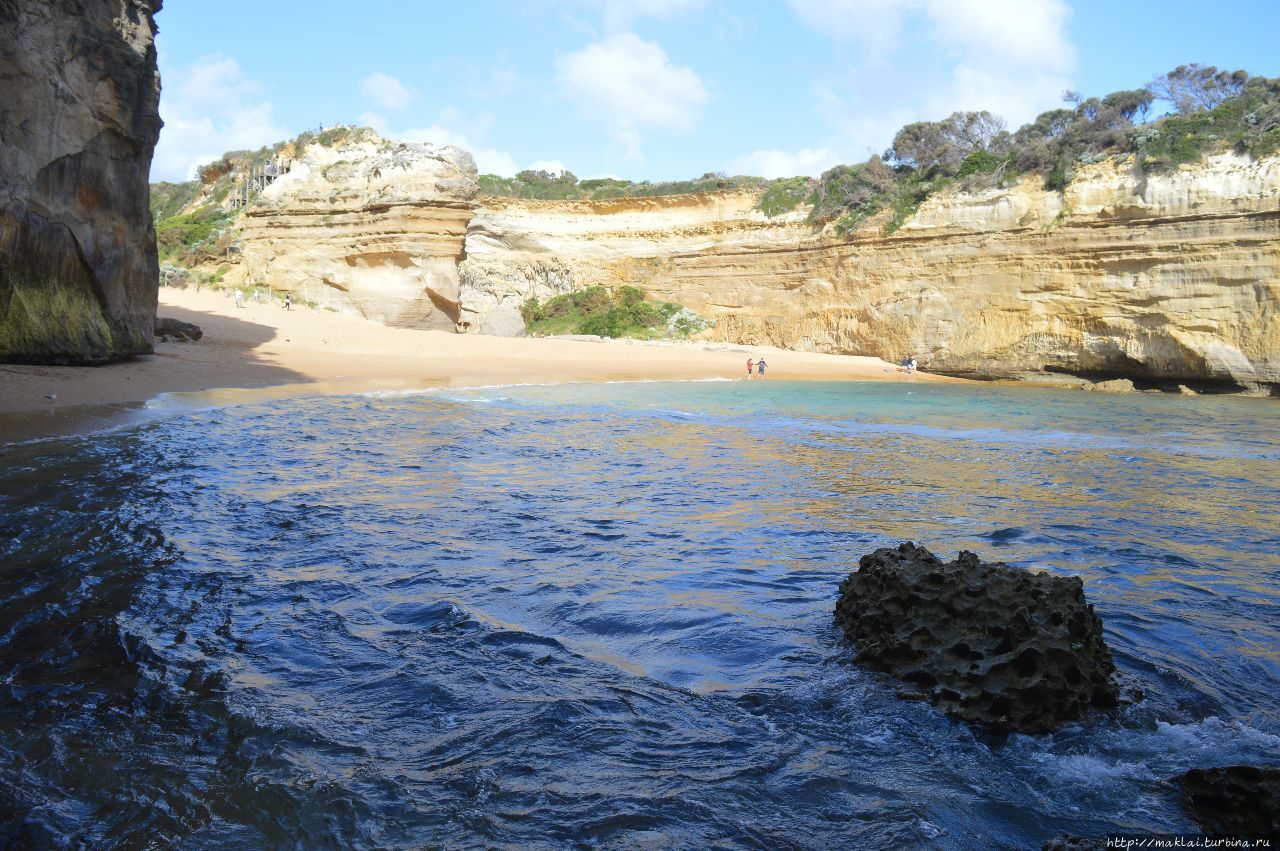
{"x":78,"y":272}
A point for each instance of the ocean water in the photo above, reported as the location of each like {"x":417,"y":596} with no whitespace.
{"x":600,"y":616}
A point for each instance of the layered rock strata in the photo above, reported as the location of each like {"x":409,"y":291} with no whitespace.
{"x":370,"y":226}
{"x":1163,"y":278}
{"x":999,"y":646}
{"x":78,"y":126}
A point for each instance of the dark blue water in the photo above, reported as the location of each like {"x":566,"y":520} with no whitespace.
{"x":601,"y":616}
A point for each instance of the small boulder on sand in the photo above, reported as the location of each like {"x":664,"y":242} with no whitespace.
{"x":176,"y":329}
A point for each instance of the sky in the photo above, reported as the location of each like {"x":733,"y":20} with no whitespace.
{"x":662,"y":89}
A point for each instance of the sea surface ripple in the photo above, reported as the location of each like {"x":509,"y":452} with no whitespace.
{"x":601,"y":616}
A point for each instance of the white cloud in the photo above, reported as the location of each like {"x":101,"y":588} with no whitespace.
{"x":209,"y":109}
{"x":873,"y":24}
{"x":387,"y":92}
{"x":1006,"y":33}
{"x":629,"y":83}
{"x":620,"y":14}
{"x":774,"y":163}
{"x":1012,"y":57}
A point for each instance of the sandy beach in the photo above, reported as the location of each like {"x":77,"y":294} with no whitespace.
{"x":265,"y":346}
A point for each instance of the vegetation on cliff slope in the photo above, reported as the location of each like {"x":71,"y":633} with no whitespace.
{"x":1210,"y":111}
{"x":542,"y":185}
{"x":193,"y":220}
{"x":624,"y":312}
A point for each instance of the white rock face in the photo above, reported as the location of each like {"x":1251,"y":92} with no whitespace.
{"x":370,"y":226}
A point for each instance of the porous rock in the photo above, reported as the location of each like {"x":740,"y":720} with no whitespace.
{"x":1235,"y":800}
{"x":994,"y":645}
{"x":176,"y":328}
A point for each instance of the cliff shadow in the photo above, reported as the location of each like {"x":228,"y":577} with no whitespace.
{"x":45,"y":400}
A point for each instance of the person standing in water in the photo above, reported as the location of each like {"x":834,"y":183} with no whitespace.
{"x":760,"y":365}
{"x":749,"y":365}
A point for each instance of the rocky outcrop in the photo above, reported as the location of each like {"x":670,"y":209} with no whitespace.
{"x":370,"y":226}
{"x":999,"y":646}
{"x":1158,"y":278}
{"x":78,"y":125}
{"x":1238,"y":800}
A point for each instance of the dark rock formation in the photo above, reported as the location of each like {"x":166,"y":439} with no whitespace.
{"x":177,"y":329}
{"x":1238,"y":800}
{"x":78,"y":124}
{"x":994,"y":645}
{"x":1074,"y":843}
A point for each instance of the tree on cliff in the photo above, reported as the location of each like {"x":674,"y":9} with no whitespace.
{"x":1194,"y":87}
{"x":942,"y":146}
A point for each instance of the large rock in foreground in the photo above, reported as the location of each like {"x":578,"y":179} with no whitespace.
{"x":79,"y":122}
{"x":1238,"y":800}
{"x":994,"y":645}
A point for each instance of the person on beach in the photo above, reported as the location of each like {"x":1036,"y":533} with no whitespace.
{"x":239,"y":299}
{"x":750,"y":364}
{"x":288,"y":301}
{"x":760,"y":365}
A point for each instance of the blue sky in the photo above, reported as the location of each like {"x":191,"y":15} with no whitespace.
{"x":662,"y":89}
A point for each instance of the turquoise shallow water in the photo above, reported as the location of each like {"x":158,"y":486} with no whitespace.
{"x":600,"y":616}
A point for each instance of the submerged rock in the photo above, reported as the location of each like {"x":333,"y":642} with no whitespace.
{"x":1074,"y":843}
{"x":1115,"y":385}
{"x":176,"y":328}
{"x":991,"y":644}
{"x":1237,"y":800}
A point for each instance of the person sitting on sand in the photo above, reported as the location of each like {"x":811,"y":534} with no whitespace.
{"x":760,"y":365}
{"x":750,"y":364}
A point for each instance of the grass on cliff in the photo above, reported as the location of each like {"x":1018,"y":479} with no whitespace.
{"x":624,"y":312}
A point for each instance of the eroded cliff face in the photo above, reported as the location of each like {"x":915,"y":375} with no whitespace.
{"x":372,"y":226}
{"x":78,"y":126}
{"x":1163,"y":277}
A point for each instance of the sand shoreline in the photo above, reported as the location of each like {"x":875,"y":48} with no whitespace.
{"x":263,"y":346}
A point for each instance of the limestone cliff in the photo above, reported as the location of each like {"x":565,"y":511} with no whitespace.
{"x":1161,"y":277}
{"x":369,"y":225}
{"x":78,"y":126}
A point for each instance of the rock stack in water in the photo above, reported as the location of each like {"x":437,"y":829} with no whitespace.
{"x":78,"y":270}
{"x":994,"y":645}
